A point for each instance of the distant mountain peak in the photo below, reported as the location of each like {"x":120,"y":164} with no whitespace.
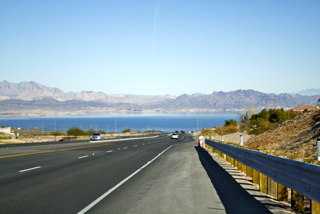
{"x":308,"y":92}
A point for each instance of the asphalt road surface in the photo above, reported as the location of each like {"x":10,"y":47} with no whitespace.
{"x":151,"y":175}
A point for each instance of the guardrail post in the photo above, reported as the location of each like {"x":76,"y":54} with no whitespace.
{"x":318,"y":146}
{"x":297,"y":201}
{"x":315,"y":207}
{"x":244,"y":168}
{"x":249,"y":171}
{"x":272,"y":187}
{"x":239,"y":166}
{"x":232,"y":161}
{"x":241,"y":140}
{"x":255,"y":177}
{"x":263,"y":183}
{"x":282,"y":193}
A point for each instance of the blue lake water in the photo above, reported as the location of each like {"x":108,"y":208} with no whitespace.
{"x":164,"y":122}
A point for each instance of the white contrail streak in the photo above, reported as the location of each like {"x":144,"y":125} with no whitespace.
{"x":154,"y":31}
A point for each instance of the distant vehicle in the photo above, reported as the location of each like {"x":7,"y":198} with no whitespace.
{"x":177,"y":132}
{"x":182,"y":131}
{"x":96,"y":136}
{"x":174,"y":136}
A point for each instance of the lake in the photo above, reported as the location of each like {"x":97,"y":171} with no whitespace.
{"x":143,"y":122}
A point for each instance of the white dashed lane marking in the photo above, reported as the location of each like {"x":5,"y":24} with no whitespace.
{"x":37,"y":167}
{"x":83,"y":157}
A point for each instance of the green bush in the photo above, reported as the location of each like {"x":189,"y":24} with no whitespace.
{"x":5,"y":137}
{"x":75,"y":131}
{"x":268,"y":119}
{"x":230,"y":123}
{"x":126,"y":130}
{"x":56,"y":133}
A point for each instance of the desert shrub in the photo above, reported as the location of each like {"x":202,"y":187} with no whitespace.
{"x":2,"y":133}
{"x":56,"y":133}
{"x":259,"y":129}
{"x":221,"y":130}
{"x":230,"y":123}
{"x":126,"y":130}
{"x":112,"y":132}
{"x":75,"y":131}
{"x":5,"y":137}
{"x":208,"y":132}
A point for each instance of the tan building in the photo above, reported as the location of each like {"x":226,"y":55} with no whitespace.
{"x":301,"y":108}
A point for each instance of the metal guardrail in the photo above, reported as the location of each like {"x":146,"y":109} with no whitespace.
{"x":299,"y":176}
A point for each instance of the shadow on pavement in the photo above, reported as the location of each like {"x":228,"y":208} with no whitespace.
{"x":235,"y":199}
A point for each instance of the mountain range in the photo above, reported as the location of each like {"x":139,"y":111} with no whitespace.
{"x":33,"y":99}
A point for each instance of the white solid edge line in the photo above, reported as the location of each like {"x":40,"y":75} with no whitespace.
{"x":83,"y":157}
{"x":37,"y":167}
{"x":119,"y":184}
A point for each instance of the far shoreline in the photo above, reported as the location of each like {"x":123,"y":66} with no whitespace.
{"x":118,"y":114}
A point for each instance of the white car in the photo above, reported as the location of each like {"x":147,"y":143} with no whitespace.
{"x":96,"y":136}
{"x":174,"y":136}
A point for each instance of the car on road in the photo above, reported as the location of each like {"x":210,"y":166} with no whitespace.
{"x":174,"y":136}
{"x":96,"y":136}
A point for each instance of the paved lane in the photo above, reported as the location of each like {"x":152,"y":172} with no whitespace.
{"x":68,"y":180}
{"x":174,"y":183}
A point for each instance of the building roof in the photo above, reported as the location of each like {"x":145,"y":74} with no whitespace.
{"x":301,"y":108}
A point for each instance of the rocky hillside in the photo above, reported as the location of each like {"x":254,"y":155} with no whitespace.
{"x":239,"y":99}
{"x":296,"y":136}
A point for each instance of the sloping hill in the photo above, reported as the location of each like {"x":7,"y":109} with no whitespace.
{"x":296,"y":136}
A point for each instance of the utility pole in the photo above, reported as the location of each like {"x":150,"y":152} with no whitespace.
{"x":89,"y":125}
{"x":115,"y":125}
{"x":42,"y":129}
{"x":197,"y":124}
{"x":54,"y":127}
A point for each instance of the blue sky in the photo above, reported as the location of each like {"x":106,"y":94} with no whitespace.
{"x":162,"y":47}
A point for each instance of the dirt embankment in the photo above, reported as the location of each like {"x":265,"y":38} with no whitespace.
{"x":296,"y":136}
{"x":234,"y":137}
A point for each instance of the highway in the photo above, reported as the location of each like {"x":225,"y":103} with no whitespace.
{"x":150,"y":175}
